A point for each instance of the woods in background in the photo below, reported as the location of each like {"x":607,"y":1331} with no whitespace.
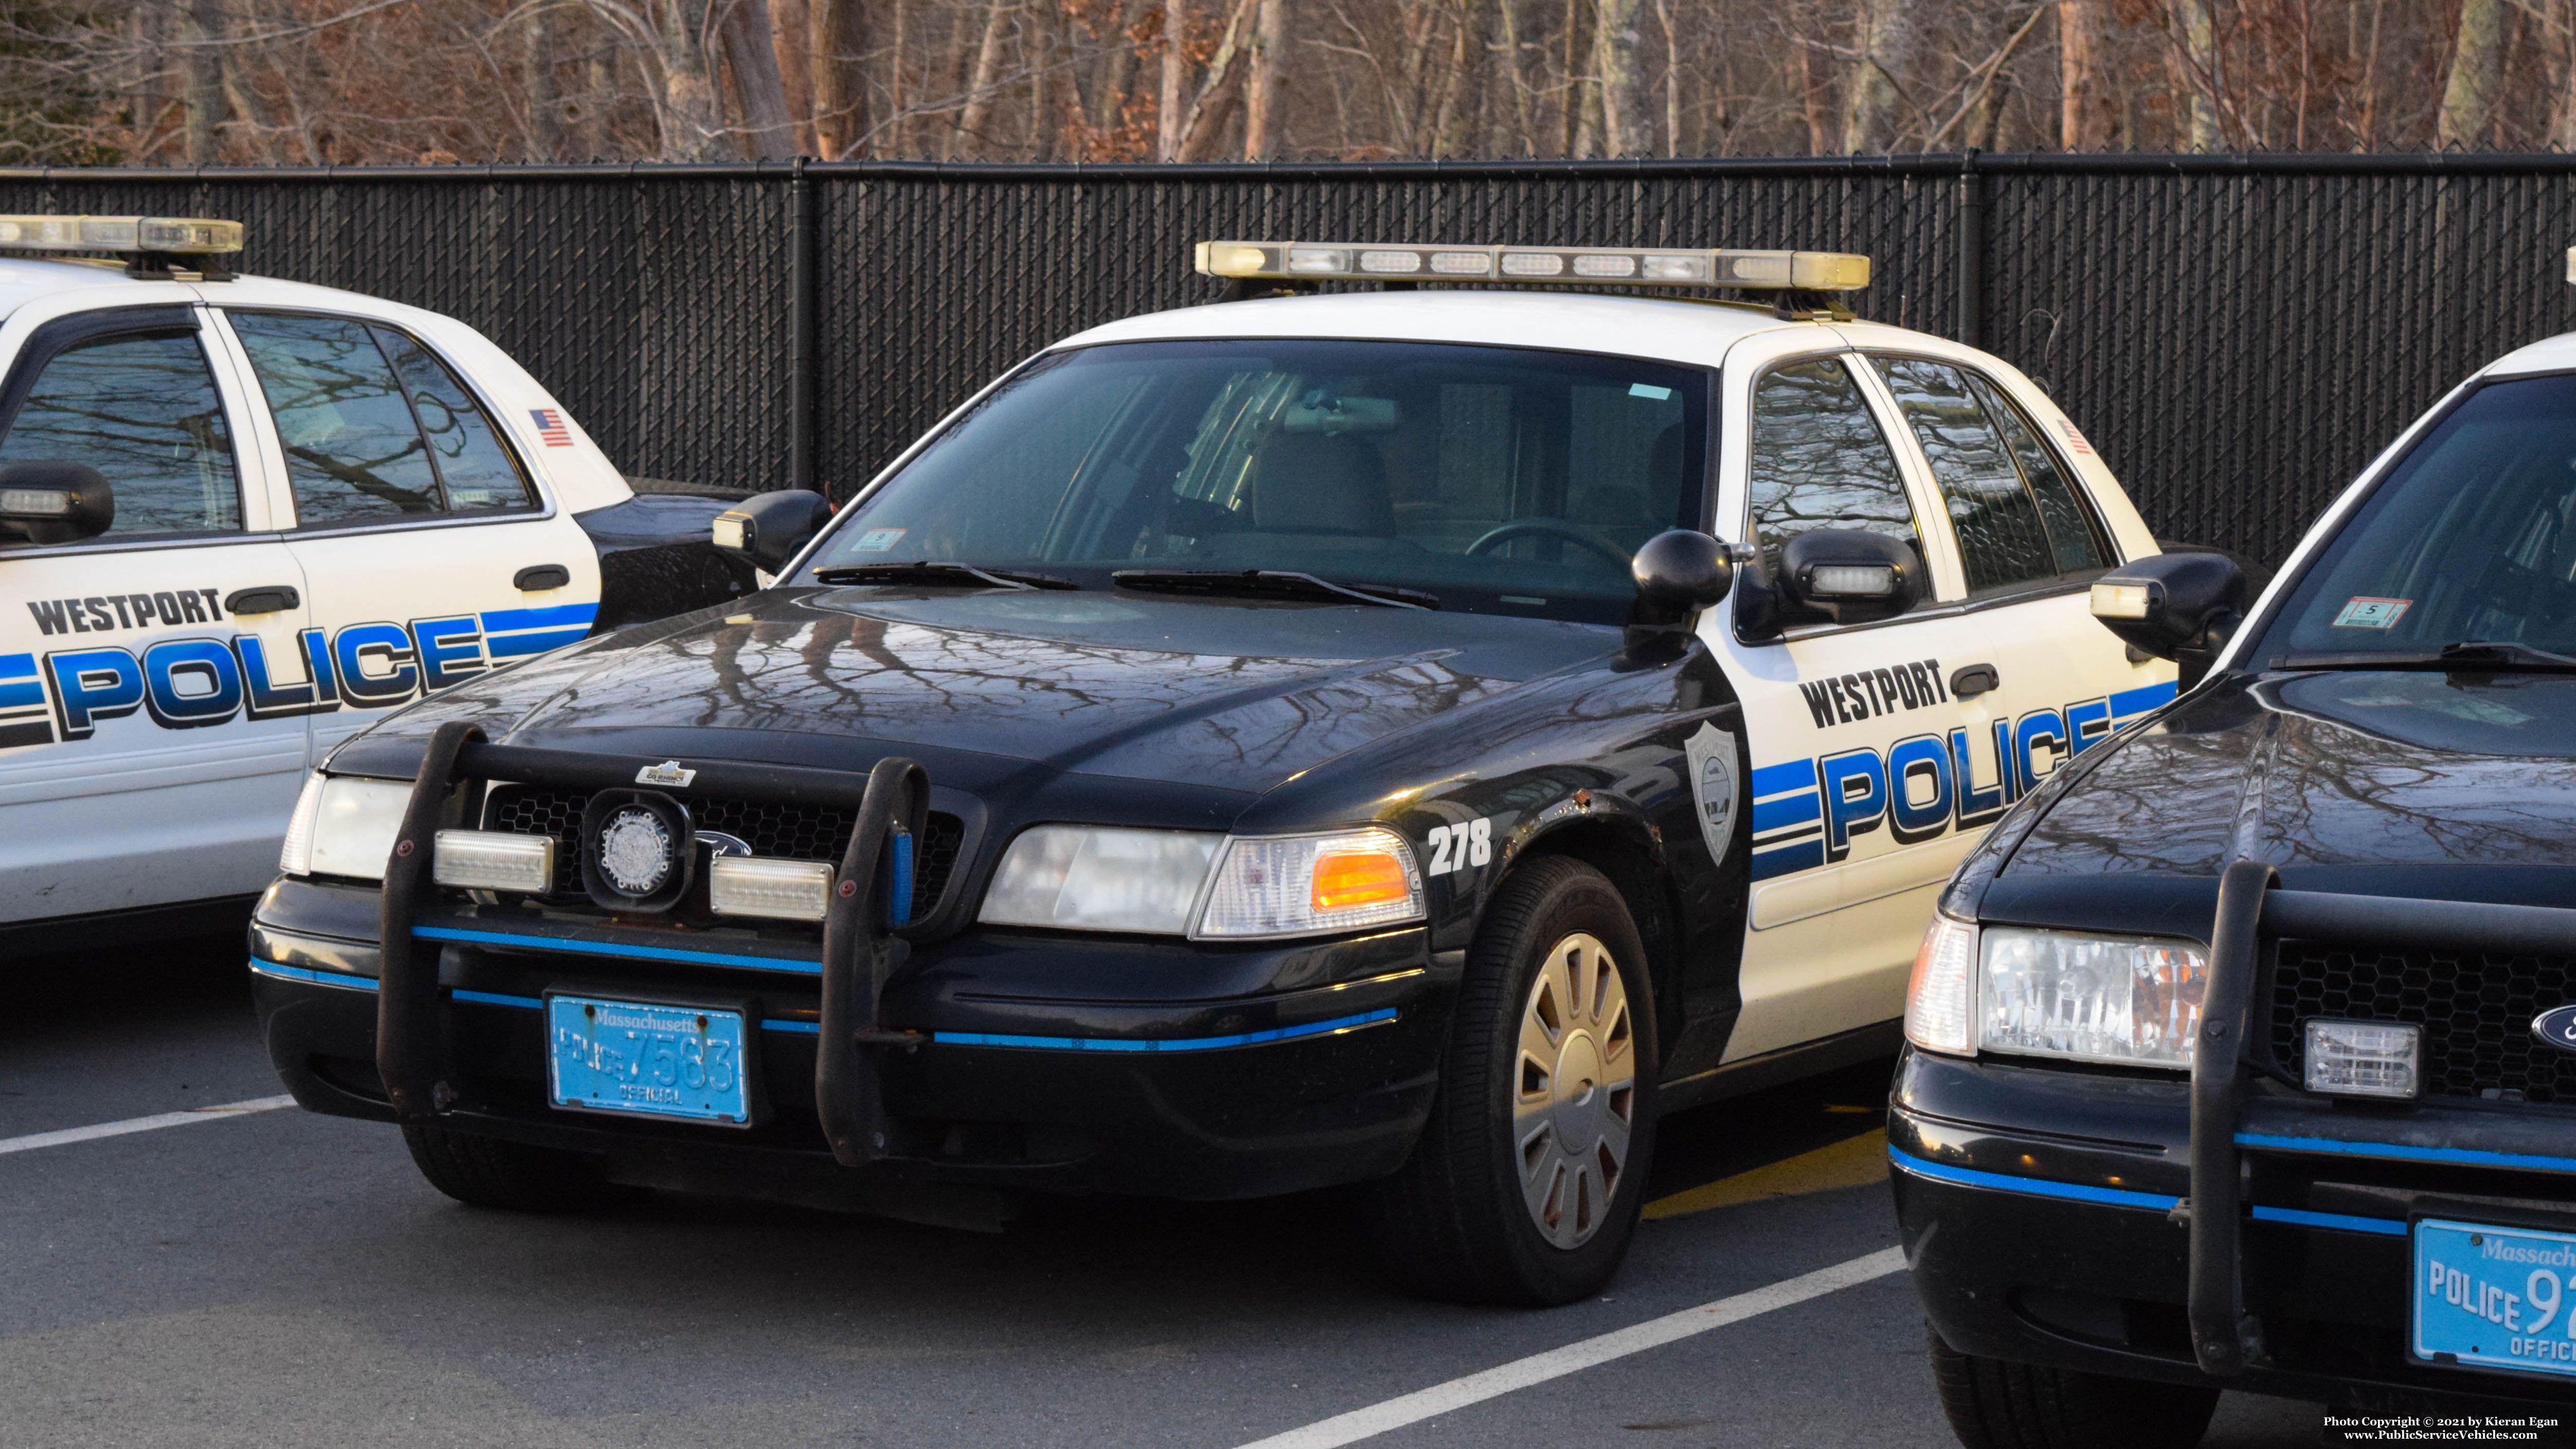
{"x":178,"y":82}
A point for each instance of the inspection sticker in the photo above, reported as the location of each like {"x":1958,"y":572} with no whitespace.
{"x":2363,"y":612}
{"x":879,"y":540}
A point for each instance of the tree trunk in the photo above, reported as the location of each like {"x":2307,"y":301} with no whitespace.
{"x":542,"y":113}
{"x":1167,"y":99}
{"x":1518,"y":81}
{"x":2468,"y":96}
{"x":2075,"y":30}
{"x":794,"y":44}
{"x":1261,"y":88}
{"x":2194,"y":53}
{"x":2562,"y":113}
{"x":201,"y":79}
{"x":1887,"y":32}
{"x":1627,"y":127}
{"x":835,"y":60}
{"x":1811,"y":94}
{"x":969,"y":132}
{"x":768,"y":127}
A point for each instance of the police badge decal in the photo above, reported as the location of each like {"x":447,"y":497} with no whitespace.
{"x":1712,"y":777}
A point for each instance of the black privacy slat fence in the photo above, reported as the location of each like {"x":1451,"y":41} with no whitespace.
{"x":2237,"y":335}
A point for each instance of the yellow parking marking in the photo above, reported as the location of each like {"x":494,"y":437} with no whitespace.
{"x":1852,"y":1162}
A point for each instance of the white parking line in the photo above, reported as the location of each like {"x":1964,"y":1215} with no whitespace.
{"x":141,"y":1124}
{"x":1538,"y":1368}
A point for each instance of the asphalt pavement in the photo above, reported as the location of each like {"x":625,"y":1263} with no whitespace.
{"x":275,"y":1278}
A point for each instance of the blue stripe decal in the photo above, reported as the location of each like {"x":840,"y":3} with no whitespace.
{"x":497,"y":621}
{"x":1770,"y":815}
{"x":2127,"y":702}
{"x":17,"y":666}
{"x":494,"y":998}
{"x":1804,"y":856}
{"x":510,"y":646}
{"x":1793,"y":775}
{"x":2344,"y":1222}
{"x":1182,"y":1044}
{"x":21,"y":696}
{"x":2031,"y":1186}
{"x":2524,"y":1161}
{"x":607,"y":948}
{"x":318,"y":978}
{"x":809,"y":1028}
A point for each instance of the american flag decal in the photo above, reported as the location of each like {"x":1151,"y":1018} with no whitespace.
{"x":2074,"y":439}
{"x":551,"y":427}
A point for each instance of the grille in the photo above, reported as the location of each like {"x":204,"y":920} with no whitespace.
{"x":787,"y":832}
{"x":2476,"y":1012}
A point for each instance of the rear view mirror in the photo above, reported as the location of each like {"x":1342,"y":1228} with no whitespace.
{"x":1679,"y":572}
{"x":1850,"y":575}
{"x":55,"y":502}
{"x":2178,"y":606}
{"x":766,"y":529}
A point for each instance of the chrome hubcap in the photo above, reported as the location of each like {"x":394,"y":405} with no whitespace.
{"x":1575,"y":1090}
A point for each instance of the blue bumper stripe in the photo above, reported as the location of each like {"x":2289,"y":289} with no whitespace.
{"x":2391,"y":1151}
{"x":612,"y":948}
{"x":317,"y":978}
{"x":2122,"y":1197}
{"x":1180,"y":1044}
{"x":494,"y":998}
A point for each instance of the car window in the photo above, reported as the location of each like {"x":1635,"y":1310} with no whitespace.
{"x":2073,"y":535}
{"x":374,"y":427}
{"x":2002,"y":543}
{"x":142,"y":409}
{"x":1819,"y":460}
{"x":1507,"y":480}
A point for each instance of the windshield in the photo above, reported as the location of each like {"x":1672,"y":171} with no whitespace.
{"x":2472,"y":539}
{"x":1489,"y":479}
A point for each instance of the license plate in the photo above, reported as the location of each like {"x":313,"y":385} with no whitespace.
{"x":2495,"y":1298}
{"x":657,"y":1061}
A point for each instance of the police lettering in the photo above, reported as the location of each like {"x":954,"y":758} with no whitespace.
{"x":1849,"y":698}
{"x":107,"y":613}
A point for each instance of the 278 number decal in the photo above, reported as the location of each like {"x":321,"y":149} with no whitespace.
{"x":1461,"y":847}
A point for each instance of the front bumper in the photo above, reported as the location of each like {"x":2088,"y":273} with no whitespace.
{"x":1292,"y":1066}
{"x":2038,"y":1207}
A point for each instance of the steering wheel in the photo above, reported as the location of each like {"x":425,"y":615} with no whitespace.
{"x":1551,"y":528}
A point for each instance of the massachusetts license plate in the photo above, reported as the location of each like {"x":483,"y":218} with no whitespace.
{"x":660,"y":1061}
{"x":2495,"y":1298}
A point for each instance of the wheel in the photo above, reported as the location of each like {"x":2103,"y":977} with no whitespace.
{"x":1526,"y":1184}
{"x":1993,"y":1404}
{"x":488,"y":1172}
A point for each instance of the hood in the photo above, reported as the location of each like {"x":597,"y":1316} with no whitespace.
{"x":2389,"y":782}
{"x":1223,"y":695}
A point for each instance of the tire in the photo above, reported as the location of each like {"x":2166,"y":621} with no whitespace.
{"x":1995,"y":1404}
{"x":488,"y":1172}
{"x":1495,"y":1205}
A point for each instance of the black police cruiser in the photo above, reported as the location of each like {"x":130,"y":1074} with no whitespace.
{"x":2244,"y":1054}
{"x":1251,"y":748}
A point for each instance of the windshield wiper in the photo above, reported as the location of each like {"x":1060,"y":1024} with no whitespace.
{"x":2492,"y":654}
{"x":1270,"y":584}
{"x":926,"y":571}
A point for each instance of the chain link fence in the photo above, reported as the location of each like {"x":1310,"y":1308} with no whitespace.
{"x":2237,"y":335}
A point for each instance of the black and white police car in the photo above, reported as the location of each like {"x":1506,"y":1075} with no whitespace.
{"x":239,"y":519}
{"x":1291,"y":741}
{"x":2244,"y":1053}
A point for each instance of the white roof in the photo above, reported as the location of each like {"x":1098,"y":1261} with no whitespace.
{"x":2550,"y":354}
{"x":26,"y":279}
{"x":1666,"y":329}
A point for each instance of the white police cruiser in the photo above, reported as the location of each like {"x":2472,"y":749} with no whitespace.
{"x":239,"y":519}
{"x":1399,"y":737}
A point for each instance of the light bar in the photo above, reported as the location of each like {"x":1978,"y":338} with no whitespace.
{"x":196,"y":235}
{"x":777,"y":890}
{"x":1298,"y":261}
{"x":493,"y":860}
{"x":2363,"y":1058}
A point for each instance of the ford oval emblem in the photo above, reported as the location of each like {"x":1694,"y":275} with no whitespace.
{"x":2557,"y":1026}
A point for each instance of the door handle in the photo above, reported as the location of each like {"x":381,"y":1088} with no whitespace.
{"x":1970,"y":680}
{"x":267,"y":599}
{"x":540,"y":576}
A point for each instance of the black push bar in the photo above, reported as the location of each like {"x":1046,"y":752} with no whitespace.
{"x":860,"y":950}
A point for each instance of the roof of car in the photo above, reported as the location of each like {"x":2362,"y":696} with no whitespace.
{"x":2549,"y":354}
{"x":24,"y":279}
{"x":1667,"y":329}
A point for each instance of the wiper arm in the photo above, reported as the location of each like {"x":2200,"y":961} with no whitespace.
{"x":1270,"y":584}
{"x":2489,"y":654}
{"x":927,"y":571}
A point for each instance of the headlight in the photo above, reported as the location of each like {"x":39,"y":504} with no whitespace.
{"x":1087,"y":878}
{"x":2118,"y":999}
{"x":344,"y":826}
{"x":1303,"y":885}
{"x":1940,"y":1001}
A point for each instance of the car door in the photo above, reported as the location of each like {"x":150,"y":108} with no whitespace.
{"x":2029,"y":544}
{"x":431,"y":551}
{"x":1866,"y":787}
{"x":154,"y":681}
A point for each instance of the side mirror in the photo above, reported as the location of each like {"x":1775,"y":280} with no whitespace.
{"x":2178,"y":606}
{"x":1850,"y":575}
{"x":766,"y":529}
{"x":55,"y":502}
{"x":1678,"y":572}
